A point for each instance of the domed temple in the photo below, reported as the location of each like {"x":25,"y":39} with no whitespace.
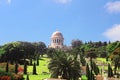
{"x":57,"y":40}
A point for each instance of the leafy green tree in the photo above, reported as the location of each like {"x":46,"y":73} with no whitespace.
{"x":11,"y":52}
{"x":15,"y":51}
{"x":40,"y":48}
{"x":64,"y":65}
{"x":50,"y":52}
{"x":76,"y":43}
{"x":28,"y":49}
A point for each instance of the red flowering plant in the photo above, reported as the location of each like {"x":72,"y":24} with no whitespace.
{"x":5,"y":78}
{"x":20,"y":70}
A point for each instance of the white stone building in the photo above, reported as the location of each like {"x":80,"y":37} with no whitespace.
{"x":57,"y":40}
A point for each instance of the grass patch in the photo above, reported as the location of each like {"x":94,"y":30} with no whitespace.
{"x":84,"y":77}
{"x":42,"y":70}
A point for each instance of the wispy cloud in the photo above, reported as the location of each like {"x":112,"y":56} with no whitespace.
{"x":113,"y":33}
{"x":8,"y":1}
{"x":113,"y":7}
{"x":5,"y":2}
{"x":62,"y":1}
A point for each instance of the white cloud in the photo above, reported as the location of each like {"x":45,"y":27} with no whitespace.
{"x":113,"y":7}
{"x":8,"y":1}
{"x":63,"y":1}
{"x":113,"y":33}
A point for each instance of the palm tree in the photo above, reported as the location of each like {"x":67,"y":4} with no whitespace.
{"x":64,"y":65}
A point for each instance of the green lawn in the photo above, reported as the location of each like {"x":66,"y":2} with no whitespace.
{"x":42,"y":70}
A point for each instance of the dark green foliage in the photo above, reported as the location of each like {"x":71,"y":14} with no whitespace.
{"x":25,"y":68}
{"x":14,"y":51}
{"x":76,"y":43}
{"x":50,"y":52}
{"x":16,"y":67}
{"x":7,"y":67}
{"x":34,"y":69}
{"x":40,"y":48}
{"x":91,"y":53}
{"x":82,"y":60}
{"x":112,"y":46}
{"x":116,"y":61}
{"x":3,"y":73}
{"x":110,"y":71}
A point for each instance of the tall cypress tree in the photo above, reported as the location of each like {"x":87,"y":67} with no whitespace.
{"x":30,"y":61}
{"x":16,"y":67}
{"x":34,"y":69}
{"x":27,"y":77}
{"x":110,"y":72}
{"x":88,"y":72}
{"x":25,"y":68}
{"x":93,"y":77}
{"x":7,"y":67}
{"x":38,"y":61}
{"x":95,"y":68}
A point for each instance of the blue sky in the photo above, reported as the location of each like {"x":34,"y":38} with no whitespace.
{"x":36,"y":20}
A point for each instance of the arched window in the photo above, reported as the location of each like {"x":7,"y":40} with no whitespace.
{"x":57,"y":40}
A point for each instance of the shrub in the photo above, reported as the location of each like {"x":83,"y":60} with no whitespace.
{"x":18,"y":76}
{"x":5,"y":78}
{"x":5,"y":75}
{"x":11,"y":67}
